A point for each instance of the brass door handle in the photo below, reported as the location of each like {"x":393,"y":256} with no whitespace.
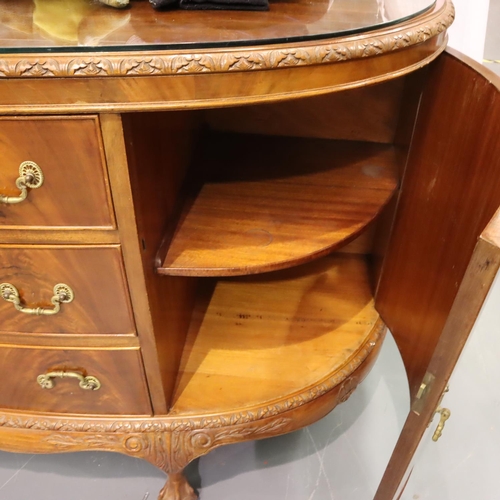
{"x":30,"y":176}
{"x":88,"y":383}
{"x":63,"y":294}
{"x":445,"y":415}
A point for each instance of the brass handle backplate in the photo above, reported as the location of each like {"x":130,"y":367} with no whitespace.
{"x":63,"y":294}
{"x":30,"y":176}
{"x":88,"y":383}
{"x":445,"y":415}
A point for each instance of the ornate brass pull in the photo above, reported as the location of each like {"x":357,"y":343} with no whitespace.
{"x":30,"y":176}
{"x":62,"y":295}
{"x":88,"y":383}
{"x":445,"y":415}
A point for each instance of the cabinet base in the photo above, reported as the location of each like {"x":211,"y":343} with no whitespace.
{"x":172,"y":442}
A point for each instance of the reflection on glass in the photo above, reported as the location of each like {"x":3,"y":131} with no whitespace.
{"x":80,"y":22}
{"x":46,"y":25}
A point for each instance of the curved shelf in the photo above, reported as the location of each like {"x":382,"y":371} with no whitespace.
{"x":268,"y":341}
{"x":271,"y":203}
{"x":259,"y":348}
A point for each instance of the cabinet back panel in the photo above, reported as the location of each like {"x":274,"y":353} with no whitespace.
{"x":364,"y":114}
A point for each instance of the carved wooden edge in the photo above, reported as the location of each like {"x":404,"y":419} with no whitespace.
{"x":149,"y":63}
{"x":171,"y":449}
{"x":172,"y":423}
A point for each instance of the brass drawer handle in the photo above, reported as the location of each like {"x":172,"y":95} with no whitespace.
{"x":88,"y":383}
{"x":63,"y":294}
{"x":30,"y":176}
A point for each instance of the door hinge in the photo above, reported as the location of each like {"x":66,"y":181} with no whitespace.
{"x":423,"y":392}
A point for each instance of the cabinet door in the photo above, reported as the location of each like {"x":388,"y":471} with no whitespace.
{"x":440,"y":263}
{"x":464,"y":462}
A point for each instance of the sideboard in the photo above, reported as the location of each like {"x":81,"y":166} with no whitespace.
{"x":209,"y":218}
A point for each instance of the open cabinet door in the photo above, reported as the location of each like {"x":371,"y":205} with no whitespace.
{"x":441,"y":261}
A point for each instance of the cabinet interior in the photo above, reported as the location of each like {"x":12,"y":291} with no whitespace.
{"x":268,"y":233}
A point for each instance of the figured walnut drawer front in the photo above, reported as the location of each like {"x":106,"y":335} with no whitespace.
{"x":68,"y":151}
{"x":96,"y":276}
{"x":119,"y":373}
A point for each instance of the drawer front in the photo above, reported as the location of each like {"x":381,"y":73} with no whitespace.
{"x":101,"y":303}
{"x":118,"y":373}
{"x":68,"y":152}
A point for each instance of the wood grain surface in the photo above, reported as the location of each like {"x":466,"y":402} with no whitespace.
{"x":160,"y":148}
{"x":262,"y":339}
{"x":75,"y":190}
{"x":206,"y":86}
{"x":96,"y":275}
{"x":272,"y":202}
{"x":120,"y":372}
{"x":148,"y":155}
{"x":364,"y":114}
{"x":451,"y":190}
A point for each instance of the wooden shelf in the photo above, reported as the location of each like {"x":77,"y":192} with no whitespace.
{"x":269,"y":203}
{"x":260,"y":340}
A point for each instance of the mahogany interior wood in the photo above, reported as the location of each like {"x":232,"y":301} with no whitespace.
{"x":159,"y":149}
{"x":285,"y":201}
{"x":296,"y":327}
{"x":363,"y":114}
{"x":453,"y":166}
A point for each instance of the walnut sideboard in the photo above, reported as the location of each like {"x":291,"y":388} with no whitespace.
{"x":208,"y":219}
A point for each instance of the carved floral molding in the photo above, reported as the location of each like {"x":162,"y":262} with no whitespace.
{"x":174,"y":424}
{"x":263,"y":58}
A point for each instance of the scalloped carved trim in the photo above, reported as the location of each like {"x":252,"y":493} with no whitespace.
{"x":175,"y":424}
{"x":170,"y":451}
{"x":174,"y":63}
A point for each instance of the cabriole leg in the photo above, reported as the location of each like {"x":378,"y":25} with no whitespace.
{"x":177,"y":488}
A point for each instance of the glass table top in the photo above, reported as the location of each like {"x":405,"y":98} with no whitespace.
{"x":53,"y":26}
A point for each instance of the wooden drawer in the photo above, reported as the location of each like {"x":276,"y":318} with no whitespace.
{"x":75,"y":189}
{"x":122,"y":389}
{"x":101,"y":303}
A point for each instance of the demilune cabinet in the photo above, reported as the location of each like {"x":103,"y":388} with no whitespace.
{"x":205,"y":231}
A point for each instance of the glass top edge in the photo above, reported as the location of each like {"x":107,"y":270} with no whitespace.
{"x":204,"y":45}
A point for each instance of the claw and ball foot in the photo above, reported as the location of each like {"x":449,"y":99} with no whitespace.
{"x":177,"y":488}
